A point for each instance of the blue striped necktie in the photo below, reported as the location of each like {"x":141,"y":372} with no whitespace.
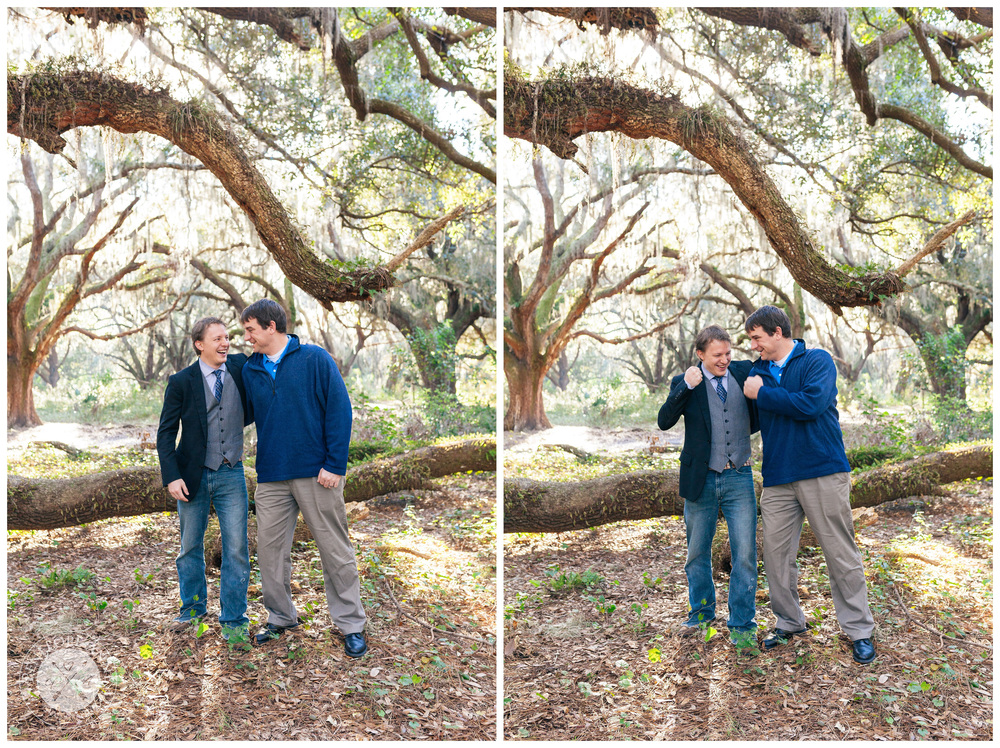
{"x":218,"y":385}
{"x":720,"y":389}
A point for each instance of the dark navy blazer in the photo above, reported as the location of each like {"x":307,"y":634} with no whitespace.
{"x":184,"y":405}
{"x":693,"y":405}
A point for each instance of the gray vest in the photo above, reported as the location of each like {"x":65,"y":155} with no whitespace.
{"x":730,"y":426}
{"x":225,"y":423}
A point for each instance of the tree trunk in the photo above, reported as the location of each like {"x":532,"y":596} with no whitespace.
{"x":48,"y":503}
{"x":20,"y":397}
{"x":525,"y":407}
{"x":48,"y":371}
{"x":559,"y":373}
{"x":434,"y":354}
{"x":545,"y":506}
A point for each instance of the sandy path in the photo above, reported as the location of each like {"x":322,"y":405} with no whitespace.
{"x":82,"y":435}
{"x":591,"y":439}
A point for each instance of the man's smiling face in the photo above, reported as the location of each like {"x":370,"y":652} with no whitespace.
{"x":263,"y":339}
{"x":716,"y":357}
{"x":213,"y":348}
{"x":770,"y":347}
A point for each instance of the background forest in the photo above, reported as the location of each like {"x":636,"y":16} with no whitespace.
{"x":167,"y":164}
{"x":671,"y":168}
{"x":620,"y":248}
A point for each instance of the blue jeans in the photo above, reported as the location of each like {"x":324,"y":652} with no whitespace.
{"x":732,"y":492}
{"x":226,"y":490}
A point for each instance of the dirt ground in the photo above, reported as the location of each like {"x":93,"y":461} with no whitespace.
{"x":593,"y":650}
{"x":435,"y":551}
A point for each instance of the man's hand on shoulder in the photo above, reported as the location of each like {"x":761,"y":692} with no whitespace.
{"x":328,"y":479}
{"x":752,"y":386}
{"x":693,"y":376}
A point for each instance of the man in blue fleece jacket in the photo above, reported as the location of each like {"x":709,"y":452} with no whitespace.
{"x":806,"y":474}
{"x":303,"y":417}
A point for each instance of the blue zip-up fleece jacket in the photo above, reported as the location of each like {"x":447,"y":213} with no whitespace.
{"x":799,"y":423}
{"x":303,"y":415}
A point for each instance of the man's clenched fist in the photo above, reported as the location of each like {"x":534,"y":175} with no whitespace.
{"x":751,"y":386}
{"x":693,"y":376}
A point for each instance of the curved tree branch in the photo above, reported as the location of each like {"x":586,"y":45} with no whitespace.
{"x":44,"y":106}
{"x":482,"y":98}
{"x":623,"y":19}
{"x":345,"y":59}
{"x":425,"y":237}
{"x":556,"y":111}
{"x":855,"y":60}
{"x":982,"y":16}
{"x":937,"y":78}
{"x":486,"y":16}
{"x":276,"y":18}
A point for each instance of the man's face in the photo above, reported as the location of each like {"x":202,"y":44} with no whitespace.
{"x":259,"y":337}
{"x":770,"y":347}
{"x":716,"y":357}
{"x":214,"y":346}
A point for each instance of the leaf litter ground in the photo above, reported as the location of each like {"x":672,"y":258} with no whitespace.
{"x":593,"y":649}
{"x":435,"y":549}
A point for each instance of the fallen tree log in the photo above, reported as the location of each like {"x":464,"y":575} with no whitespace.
{"x":546,"y":506}
{"x":48,"y":503}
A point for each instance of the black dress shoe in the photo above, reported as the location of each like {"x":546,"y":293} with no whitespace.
{"x":355,"y":644}
{"x":864,"y":651}
{"x":272,"y":631}
{"x":780,"y":636}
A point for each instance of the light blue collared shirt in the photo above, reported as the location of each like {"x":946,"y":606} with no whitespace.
{"x":778,"y":367}
{"x":209,"y":373}
{"x":271,"y":362}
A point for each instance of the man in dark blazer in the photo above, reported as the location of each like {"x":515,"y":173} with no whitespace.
{"x":208,"y":401}
{"x":716,"y":476}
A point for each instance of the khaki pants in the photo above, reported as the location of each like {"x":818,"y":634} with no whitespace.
{"x":825,"y":502}
{"x":278,"y":507}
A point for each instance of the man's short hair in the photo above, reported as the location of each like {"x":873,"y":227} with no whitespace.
{"x":770,"y":318}
{"x":710,"y":333}
{"x":265,"y":312}
{"x":198,"y":331}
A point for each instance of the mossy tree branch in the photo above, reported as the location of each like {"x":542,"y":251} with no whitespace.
{"x":547,"y":506}
{"x":43,"y":106}
{"x":556,"y":111}
{"x":48,"y":503}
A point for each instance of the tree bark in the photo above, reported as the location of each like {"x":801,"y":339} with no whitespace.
{"x":623,"y":19}
{"x":48,"y":503}
{"x":485,"y":16}
{"x":525,"y":405}
{"x":982,"y":16}
{"x":545,"y":506}
{"x":42,"y":106}
{"x":20,"y":396}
